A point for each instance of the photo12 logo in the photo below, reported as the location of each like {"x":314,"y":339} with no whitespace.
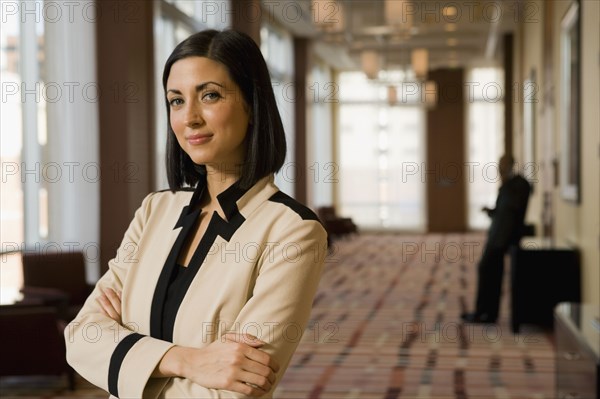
{"x":69,"y":172}
{"x":70,"y":11}
{"x":69,"y":92}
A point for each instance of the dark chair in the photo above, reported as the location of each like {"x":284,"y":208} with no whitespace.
{"x":335,"y":225}
{"x":47,"y":275}
{"x":32,"y":342}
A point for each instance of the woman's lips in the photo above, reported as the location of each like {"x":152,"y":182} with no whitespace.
{"x":199,"y":139}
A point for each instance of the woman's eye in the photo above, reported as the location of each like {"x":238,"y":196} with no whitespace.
{"x":175,"y":102}
{"x":211,"y":96}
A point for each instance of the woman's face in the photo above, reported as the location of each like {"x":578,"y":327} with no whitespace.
{"x":208,"y":113}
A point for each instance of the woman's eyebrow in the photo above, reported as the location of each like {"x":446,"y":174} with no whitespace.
{"x":199,"y":87}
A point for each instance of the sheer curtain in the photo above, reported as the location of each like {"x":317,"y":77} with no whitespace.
{"x":277,"y":47}
{"x":485,"y":116}
{"x":322,"y":173}
{"x":49,"y":136}
{"x":377,"y":140}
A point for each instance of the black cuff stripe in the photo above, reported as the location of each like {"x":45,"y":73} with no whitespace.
{"x":116,"y":360}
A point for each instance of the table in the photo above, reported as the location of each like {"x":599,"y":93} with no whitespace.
{"x":542,"y":275}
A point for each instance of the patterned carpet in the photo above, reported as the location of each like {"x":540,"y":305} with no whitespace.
{"x":385,"y":324}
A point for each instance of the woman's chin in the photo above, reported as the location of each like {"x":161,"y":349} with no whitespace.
{"x":199,"y":159}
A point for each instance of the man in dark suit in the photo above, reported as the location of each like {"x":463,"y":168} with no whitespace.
{"x":506,"y":230}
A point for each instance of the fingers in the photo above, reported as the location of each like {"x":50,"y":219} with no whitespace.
{"x":260,"y":370}
{"x":252,"y":353}
{"x":235,"y":363}
{"x":249,"y":384}
{"x":262,"y":358}
{"x":110,"y":304}
{"x":247,"y":339}
{"x":114,"y":298}
{"x":256,"y":381}
{"x":247,"y":389}
{"x":106,"y":308}
{"x":258,"y":362}
{"x":104,"y":312}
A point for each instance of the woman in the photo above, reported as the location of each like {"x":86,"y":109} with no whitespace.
{"x":210,"y":290}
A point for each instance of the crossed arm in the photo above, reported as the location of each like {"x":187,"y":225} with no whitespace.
{"x":234,"y":363}
{"x":117,"y":358}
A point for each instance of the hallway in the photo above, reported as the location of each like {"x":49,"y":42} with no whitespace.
{"x":385,"y":324}
{"x":391,"y":117}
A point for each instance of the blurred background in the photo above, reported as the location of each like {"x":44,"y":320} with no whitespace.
{"x":395,"y":112}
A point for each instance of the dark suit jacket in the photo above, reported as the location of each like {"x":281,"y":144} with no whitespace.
{"x":509,"y":215}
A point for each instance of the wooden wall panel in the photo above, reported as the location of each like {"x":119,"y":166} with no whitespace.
{"x":446,"y":191}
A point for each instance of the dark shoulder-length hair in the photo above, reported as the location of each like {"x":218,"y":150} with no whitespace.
{"x":265,"y":139}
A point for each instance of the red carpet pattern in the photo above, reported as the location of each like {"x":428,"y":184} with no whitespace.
{"x":386,"y":324}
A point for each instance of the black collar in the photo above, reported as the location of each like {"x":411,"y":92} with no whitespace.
{"x":227,"y":200}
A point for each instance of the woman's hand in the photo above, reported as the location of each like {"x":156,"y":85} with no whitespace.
{"x":110,"y":304}
{"x":233,"y":363}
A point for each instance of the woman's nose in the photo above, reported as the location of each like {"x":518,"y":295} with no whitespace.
{"x":193,"y":117}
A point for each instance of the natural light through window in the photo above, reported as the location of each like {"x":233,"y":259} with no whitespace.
{"x":377,"y":140}
{"x":485,"y":142}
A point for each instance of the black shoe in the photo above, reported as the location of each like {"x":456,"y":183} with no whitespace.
{"x":477,"y":318}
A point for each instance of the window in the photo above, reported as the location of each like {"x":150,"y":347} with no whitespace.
{"x":24,"y":201}
{"x":485,"y":116}
{"x":11,"y":142}
{"x":322,"y":173}
{"x":373,"y":189}
{"x":12,"y":223}
{"x":278,"y":50}
{"x":49,"y":133}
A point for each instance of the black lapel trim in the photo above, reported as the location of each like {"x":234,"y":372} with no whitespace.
{"x":186,"y":221}
{"x":116,"y":360}
{"x":304,"y":212}
{"x":217,"y":226}
{"x":228,"y":200}
{"x":188,"y":210}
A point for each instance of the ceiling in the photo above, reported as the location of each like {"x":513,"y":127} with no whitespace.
{"x":455,"y":33}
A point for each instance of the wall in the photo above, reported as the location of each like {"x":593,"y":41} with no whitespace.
{"x":446,"y":147}
{"x":575,"y":224}
{"x":528,"y":58}
{"x":579,"y":223}
{"x":125,"y":60}
{"x":586,"y":224}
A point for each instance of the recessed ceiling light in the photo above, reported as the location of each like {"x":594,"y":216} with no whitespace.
{"x":452,"y":41}
{"x":450,"y":27}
